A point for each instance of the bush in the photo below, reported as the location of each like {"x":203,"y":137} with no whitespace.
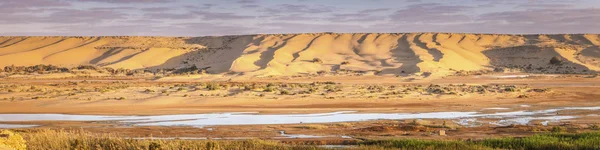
{"x":317,"y":60}
{"x":213,"y":86}
{"x":180,"y":89}
{"x":270,"y":89}
{"x":557,"y":129}
{"x":285,"y":92}
{"x":332,"y":88}
{"x":10,"y":140}
{"x":556,"y":60}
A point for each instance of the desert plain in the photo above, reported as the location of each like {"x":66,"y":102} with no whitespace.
{"x":332,"y":89}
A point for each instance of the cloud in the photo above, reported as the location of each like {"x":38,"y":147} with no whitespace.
{"x":179,"y":17}
{"x":374,"y":10}
{"x":247,"y":1}
{"x":166,"y":15}
{"x":196,"y":7}
{"x":250,"y":6}
{"x":127,"y":1}
{"x":355,"y":17}
{"x":549,"y":20}
{"x":81,"y":16}
{"x":293,"y":17}
{"x":32,"y":3}
{"x":208,"y":15}
{"x":156,"y":9}
{"x":9,"y":7}
{"x":308,"y":28}
{"x":294,"y":8}
{"x":432,"y":13}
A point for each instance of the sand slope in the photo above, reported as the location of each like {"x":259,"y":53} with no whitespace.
{"x":293,"y":54}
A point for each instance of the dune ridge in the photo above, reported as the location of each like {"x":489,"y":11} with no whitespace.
{"x":401,"y":54}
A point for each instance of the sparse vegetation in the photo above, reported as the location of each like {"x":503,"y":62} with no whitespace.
{"x":53,"y":139}
{"x":213,"y":86}
{"x":557,"y":129}
{"x":149,"y":91}
{"x":312,"y":126}
{"x":317,"y":60}
{"x":556,"y":60}
{"x":10,"y":140}
{"x":535,"y":142}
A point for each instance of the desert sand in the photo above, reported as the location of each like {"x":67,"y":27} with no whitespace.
{"x":400,"y":54}
{"x":305,"y":73}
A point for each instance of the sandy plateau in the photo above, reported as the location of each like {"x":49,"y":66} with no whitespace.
{"x":381,"y":85}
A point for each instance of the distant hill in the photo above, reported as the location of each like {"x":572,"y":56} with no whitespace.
{"x":293,"y":54}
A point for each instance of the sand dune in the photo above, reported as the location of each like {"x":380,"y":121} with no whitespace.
{"x":293,"y":54}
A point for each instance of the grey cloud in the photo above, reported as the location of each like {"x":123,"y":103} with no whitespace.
{"x":307,"y":28}
{"x":293,"y":17}
{"x":10,"y":7}
{"x":207,"y":15}
{"x":546,"y":17}
{"x":156,"y":9}
{"x":185,"y":29}
{"x":80,"y":16}
{"x":32,"y":3}
{"x":201,"y":29}
{"x":291,"y":8}
{"x":165,"y":15}
{"x":127,"y":1}
{"x":250,"y":6}
{"x":375,"y":10}
{"x":355,"y":17}
{"x":196,"y":14}
{"x":432,"y":13}
{"x":196,"y":7}
{"x":247,"y":1}
{"x":112,"y":8}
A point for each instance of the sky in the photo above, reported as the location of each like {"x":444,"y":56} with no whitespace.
{"x":236,"y":17}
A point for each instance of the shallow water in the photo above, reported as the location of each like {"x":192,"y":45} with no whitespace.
{"x":12,"y":126}
{"x":252,"y":118}
{"x":495,"y":108}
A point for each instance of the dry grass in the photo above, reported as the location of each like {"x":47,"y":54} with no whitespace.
{"x":10,"y":140}
{"x":50,"y":139}
{"x":312,"y":126}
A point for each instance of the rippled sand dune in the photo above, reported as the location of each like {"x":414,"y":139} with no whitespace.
{"x":293,"y":54}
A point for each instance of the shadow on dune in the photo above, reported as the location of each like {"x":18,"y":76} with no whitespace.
{"x":590,"y":55}
{"x":112,"y":52}
{"x":436,"y":53}
{"x":532,"y":59}
{"x":591,"y":51}
{"x":218,"y":56}
{"x":403,"y":54}
{"x":269,"y":54}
